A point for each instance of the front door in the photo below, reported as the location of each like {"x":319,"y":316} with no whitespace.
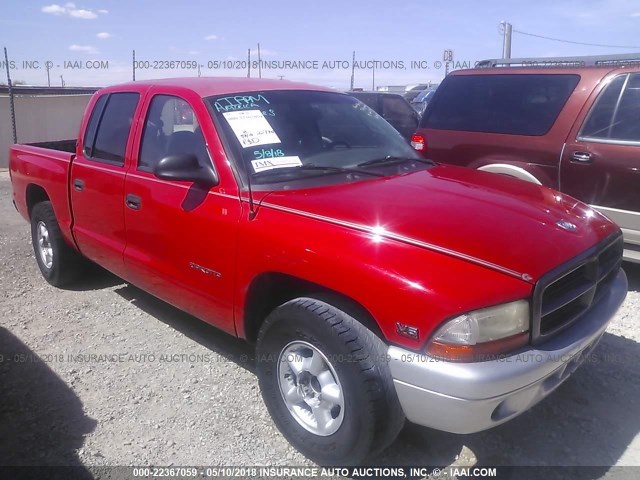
{"x":181,"y":239}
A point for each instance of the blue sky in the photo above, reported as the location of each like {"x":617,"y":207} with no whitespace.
{"x":328,"y":30}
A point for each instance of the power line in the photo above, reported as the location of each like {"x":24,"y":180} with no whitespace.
{"x":571,"y":41}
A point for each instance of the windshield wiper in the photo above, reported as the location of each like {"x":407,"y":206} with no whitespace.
{"x":389,"y":159}
{"x":326,"y":168}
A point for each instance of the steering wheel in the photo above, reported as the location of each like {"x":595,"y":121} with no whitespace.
{"x":328,"y":143}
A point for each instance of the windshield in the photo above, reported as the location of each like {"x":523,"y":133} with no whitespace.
{"x":284,"y":136}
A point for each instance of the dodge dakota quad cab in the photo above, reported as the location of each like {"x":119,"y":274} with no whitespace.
{"x":377,"y":286}
{"x":574,"y":129}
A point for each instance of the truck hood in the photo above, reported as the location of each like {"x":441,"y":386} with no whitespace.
{"x":516,"y":227}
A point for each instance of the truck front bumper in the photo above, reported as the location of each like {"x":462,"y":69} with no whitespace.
{"x":470,"y":397}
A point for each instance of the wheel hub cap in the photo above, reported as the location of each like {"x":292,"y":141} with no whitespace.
{"x":45,"y":249}
{"x":310,"y":388}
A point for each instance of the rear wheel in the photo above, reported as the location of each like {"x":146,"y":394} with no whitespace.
{"x":325,"y":381}
{"x":58,"y":262}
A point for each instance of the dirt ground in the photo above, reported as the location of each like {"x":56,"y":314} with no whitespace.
{"x":106,"y":374}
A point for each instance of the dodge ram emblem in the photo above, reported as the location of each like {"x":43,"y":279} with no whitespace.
{"x":565,"y":225}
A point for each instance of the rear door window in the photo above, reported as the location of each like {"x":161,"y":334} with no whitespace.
{"x":113,"y":128}
{"x":501,"y":103}
{"x":616,"y":113}
{"x":369,"y":99}
{"x":92,"y":127}
{"x":396,"y":107}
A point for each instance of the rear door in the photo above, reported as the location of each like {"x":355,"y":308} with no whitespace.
{"x":97,"y":179}
{"x":181,"y":238}
{"x":601,"y":160}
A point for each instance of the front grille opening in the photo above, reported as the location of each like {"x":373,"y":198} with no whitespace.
{"x":605,"y":283}
{"x":610,"y":259}
{"x":566,"y":289}
{"x":565,"y":314}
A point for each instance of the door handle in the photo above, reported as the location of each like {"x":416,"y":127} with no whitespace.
{"x":582,"y":157}
{"x":134,"y":202}
{"x":78,"y":184}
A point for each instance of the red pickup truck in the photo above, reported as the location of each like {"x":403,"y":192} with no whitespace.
{"x":376,"y":285}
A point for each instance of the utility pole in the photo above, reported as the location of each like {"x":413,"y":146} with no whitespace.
{"x":248,"y":63}
{"x":48,"y":67}
{"x":259,"y":62}
{"x":353,"y":69}
{"x":134,"y":65}
{"x":11,"y":104}
{"x":373,"y":78}
{"x":506,"y":40}
{"x":61,"y":81}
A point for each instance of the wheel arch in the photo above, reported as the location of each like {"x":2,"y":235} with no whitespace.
{"x":34,"y":195}
{"x":269,"y":290}
{"x":511,"y":170}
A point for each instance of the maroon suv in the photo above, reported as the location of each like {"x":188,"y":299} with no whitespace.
{"x":576,"y":130}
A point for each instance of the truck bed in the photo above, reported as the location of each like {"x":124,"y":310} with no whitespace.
{"x":39,"y":169}
{"x":60,"y":145}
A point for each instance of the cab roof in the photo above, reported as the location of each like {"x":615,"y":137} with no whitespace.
{"x":208,"y":86}
{"x":587,"y":72}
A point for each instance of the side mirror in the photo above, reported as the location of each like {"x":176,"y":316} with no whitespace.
{"x":186,"y":168}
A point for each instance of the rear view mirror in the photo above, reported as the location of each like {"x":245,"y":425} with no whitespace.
{"x":186,"y":168}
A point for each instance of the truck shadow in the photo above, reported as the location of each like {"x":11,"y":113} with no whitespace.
{"x":230,"y":347}
{"x":42,"y":422}
{"x":95,"y":278}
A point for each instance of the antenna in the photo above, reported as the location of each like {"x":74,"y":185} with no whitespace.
{"x":252,"y":210}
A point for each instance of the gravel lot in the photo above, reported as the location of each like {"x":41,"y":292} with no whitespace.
{"x":163,"y":388}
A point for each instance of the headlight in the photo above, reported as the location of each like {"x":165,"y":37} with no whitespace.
{"x":482,"y":334}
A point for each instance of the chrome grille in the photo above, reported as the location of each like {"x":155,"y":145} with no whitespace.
{"x":562,"y":296}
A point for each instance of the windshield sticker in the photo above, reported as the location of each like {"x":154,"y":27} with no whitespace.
{"x":239,"y":102}
{"x":251,"y":128}
{"x":278,"y":162}
{"x":268,"y":153}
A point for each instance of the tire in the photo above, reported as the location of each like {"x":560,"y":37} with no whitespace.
{"x":59,"y":264}
{"x":364,"y":414}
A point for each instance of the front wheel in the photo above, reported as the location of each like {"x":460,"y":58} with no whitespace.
{"x":325,"y":381}
{"x":58,"y":262}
